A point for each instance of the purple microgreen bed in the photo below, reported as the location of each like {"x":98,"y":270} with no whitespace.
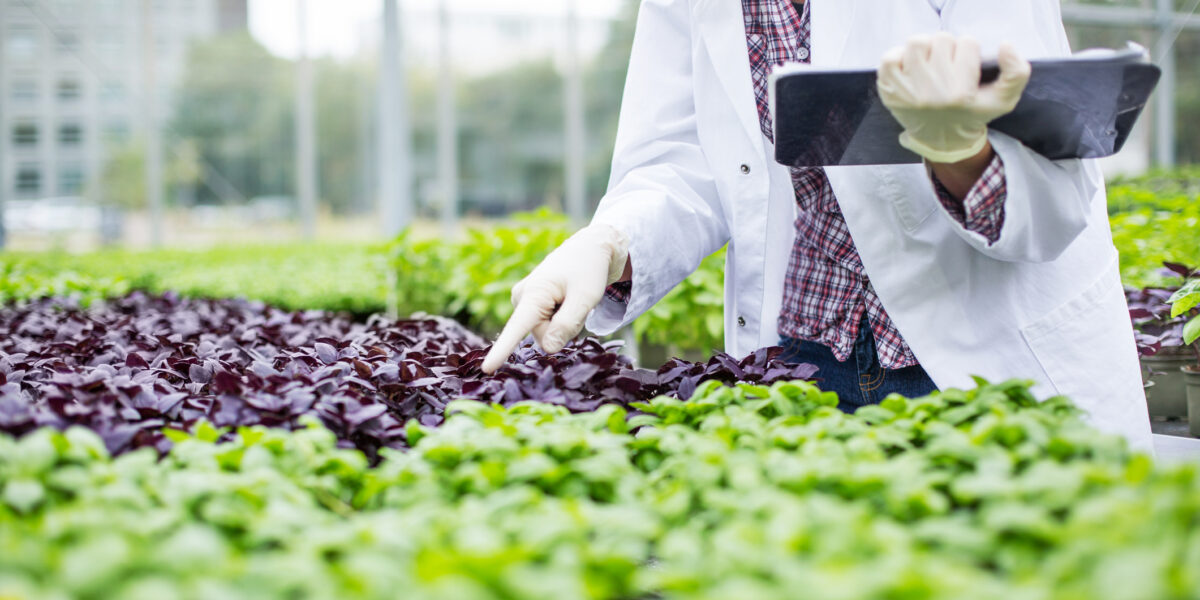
{"x":131,"y":367}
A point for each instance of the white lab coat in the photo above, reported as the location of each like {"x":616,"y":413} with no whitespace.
{"x":692,"y":172}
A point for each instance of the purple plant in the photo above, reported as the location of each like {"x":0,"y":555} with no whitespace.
{"x":1154,"y":328}
{"x":131,"y":367}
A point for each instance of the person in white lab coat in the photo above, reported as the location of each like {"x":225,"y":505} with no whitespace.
{"x":988,"y":259}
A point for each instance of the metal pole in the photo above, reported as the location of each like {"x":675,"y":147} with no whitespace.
{"x":306,"y":158}
{"x":447,"y":136}
{"x":4,"y":183}
{"x":575,"y":174}
{"x":1164,"y":102}
{"x":395,"y":175}
{"x":154,"y":154}
{"x":364,"y":203}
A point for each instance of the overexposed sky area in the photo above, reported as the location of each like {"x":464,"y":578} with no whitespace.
{"x":335,"y":26}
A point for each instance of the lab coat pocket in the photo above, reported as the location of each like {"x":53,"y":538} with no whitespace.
{"x":905,"y":187}
{"x":1089,"y":359}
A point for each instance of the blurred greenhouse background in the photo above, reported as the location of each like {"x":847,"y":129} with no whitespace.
{"x":229,"y":121}
{"x":194,"y":122}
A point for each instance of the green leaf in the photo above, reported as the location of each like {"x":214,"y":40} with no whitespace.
{"x":1191,"y":330}
{"x":251,"y":435}
{"x":1184,"y":303}
{"x":23,"y":494}
{"x":176,"y":435}
{"x":207,"y":432}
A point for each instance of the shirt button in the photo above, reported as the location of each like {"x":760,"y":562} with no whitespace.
{"x":802,"y":54}
{"x":745,"y":169}
{"x":741,"y":321}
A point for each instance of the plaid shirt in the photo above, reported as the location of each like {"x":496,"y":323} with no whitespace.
{"x":826,"y":289}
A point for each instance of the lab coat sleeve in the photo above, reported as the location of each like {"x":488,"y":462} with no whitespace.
{"x":662,"y":193}
{"x":1048,"y":202}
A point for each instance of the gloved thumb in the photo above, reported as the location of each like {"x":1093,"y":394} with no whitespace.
{"x":1001,"y":96}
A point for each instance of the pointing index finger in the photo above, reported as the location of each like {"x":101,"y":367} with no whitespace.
{"x":525,"y":317}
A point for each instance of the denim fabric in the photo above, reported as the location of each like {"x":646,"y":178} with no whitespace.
{"x":860,"y":380}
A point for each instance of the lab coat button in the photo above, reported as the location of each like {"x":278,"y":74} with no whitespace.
{"x":741,"y":321}
{"x":745,"y":169}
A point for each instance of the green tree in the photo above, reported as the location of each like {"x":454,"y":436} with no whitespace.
{"x":235,"y":106}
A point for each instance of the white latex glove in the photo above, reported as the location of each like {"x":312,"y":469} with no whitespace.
{"x":931,"y":85}
{"x":554,"y":300}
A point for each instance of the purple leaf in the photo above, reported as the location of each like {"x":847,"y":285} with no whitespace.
{"x":326,"y":353}
{"x":576,"y":376}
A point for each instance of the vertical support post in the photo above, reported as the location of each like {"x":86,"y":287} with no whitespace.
{"x":1164,"y":102}
{"x":364,"y":202}
{"x":394,"y":169}
{"x":154,"y":151}
{"x":306,"y":159}
{"x":573,"y":110}
{"x":447,"y":123}
{"x":5,"y":186}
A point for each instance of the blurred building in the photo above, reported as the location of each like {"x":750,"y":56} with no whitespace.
{"x":71,"y":81}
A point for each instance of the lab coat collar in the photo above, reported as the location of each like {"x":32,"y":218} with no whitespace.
{"x":722,"y":28}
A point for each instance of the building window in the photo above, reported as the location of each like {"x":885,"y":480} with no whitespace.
{"x":69,"y":90}
{"x":70,"y":180}
{"x":25,"y":135}
{"x":68,"y":43}
{"x":29,"y":180}
{"x":24,"y":91}
{"x":113,"y":92}
{"x":22,"y":42}
{"x":70,"y":134}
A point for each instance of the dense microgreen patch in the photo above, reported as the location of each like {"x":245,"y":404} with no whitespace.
{"x":132,"y":367}
{"x":343,"y":277}
{"x":741,"y":492}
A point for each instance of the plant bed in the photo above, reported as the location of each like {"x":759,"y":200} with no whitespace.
{"x":135,"y":368}
{"x":742,"y":492}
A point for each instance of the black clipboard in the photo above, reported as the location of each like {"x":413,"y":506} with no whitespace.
{"x":1078,"y":107}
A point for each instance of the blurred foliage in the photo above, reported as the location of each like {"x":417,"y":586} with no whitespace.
{"x":1155,"y":218}
{"x":471,"y":280}
{"x":235,"y":108}
{"x":122,"y":181}
{"x":691,"y":316}
{"x":35,"y":276}
{"x":235,"y":105}
{"x":339,"y":277}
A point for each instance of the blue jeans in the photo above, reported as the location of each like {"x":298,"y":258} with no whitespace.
{"x":860,"y":380}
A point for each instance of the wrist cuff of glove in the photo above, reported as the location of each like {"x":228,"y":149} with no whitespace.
{"x":944,"y":155}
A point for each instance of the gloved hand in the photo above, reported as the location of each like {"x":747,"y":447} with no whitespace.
{"x":931,"y":85}
{"x":555,"y":299}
